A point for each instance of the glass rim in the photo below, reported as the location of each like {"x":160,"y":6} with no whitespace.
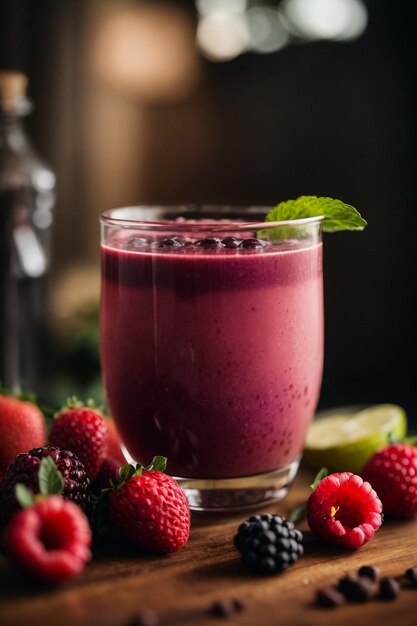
{"x":107,"y":218}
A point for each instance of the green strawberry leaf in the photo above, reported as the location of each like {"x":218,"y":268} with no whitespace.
{"x":127,"y":471}
{"x":50,"y":478}
{"x":320,"y":475}
{"x":24,"y":496}
{"x":158,"y":463}
{"x":337,"y":215}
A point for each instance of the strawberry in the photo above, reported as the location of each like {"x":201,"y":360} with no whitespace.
{"x":83,"y":431}
{"x":393,"y":473}
{"x":22,"y":427}
{"x":150,"y":509}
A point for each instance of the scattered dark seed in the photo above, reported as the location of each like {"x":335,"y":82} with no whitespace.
{"x":389,"y":588}
{"x":222,"y":608}
{"x":356,"y":588}
{"x":239,"y":605}
{"x":369,"y":571}
{"x":329,"y":597}
{"x":411,"y":574}
{"x":145,"y":618}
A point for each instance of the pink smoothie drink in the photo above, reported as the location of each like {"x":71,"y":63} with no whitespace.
{"x":212,"y":357}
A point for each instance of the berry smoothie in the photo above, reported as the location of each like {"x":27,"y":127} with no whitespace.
{"x":212,"y":352}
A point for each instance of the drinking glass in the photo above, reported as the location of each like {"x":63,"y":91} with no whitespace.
{"x":212,"y":345}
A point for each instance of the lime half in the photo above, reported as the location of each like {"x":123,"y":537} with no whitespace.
{"x":343,"y":441}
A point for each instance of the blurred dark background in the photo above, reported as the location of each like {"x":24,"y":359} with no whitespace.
{"x":269,"y":103}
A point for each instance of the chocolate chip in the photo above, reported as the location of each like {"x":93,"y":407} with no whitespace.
{"x":411,"y":574}
{"x":145,"y":618}
{"x":389,"y":588}
{"x":369,"y":571}
{"x":329,"y":597}
{"x":356,"y":588}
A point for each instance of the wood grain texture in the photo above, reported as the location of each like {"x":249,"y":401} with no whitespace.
{"x":181,"y":587}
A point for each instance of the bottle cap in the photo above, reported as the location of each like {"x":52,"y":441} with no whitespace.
{"x":13,"y":91}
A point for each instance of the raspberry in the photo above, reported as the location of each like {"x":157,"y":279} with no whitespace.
{"x":152,"y":511}
{"x":393,"y":473}
{"x":49,"y":541}
{"x":24,"y":469}
{"x":83,"y":431}
{"x":269,"y":544}
{"x":344,"y":510}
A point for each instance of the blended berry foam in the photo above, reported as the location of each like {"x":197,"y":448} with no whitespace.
{"x":213,"y":358}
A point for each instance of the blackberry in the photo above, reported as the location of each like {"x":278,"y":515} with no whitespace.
{"x":252,"y":243}
{"x":210,"y":242}
{"x":24,"y":469}
{"x":172,"y":242}
{"x":269,"y":544}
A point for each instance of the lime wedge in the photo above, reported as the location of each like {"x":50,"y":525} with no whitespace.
{"x":344,"y":440}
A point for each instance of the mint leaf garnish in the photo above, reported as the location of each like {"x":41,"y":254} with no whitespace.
{"x":337,"y":215}
{"x":320,"y":475}
{"x":24,"y":496}
{"x":50,"y":478}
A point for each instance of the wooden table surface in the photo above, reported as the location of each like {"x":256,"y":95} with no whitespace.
{"x":180,"y":587}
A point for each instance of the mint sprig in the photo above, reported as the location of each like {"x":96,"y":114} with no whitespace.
{"x":337,"y":215}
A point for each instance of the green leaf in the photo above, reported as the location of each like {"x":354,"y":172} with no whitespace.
{"x":320,"y":475}
{"x":126,"y":472}
{"x":158,"y":463}
{"x":24,"y":496}
{"x":50,"y":478}
{"x":411,"y":441}
{"x":298,"y":513}
{"x":337,"y":214}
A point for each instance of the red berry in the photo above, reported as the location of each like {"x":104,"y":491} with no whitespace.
{"x":84,"y":432}
{"x":344,"y":510}
{"x":22,"y":427}
{"x":393,"y":473}
{"x":24,"y":469}
{"x":152,"y":511}
{"x":108,"y":472}
{"x":49,"y":541}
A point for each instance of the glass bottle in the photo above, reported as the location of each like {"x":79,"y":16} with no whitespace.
{"x":26,"y":202}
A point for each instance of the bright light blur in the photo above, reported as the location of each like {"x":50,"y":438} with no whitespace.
{"x":147,"y":52}
{"x":268,"y":32}
{"x":223,"y":36}
{"x":340,"y":20}
{"x":206,"y":7}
